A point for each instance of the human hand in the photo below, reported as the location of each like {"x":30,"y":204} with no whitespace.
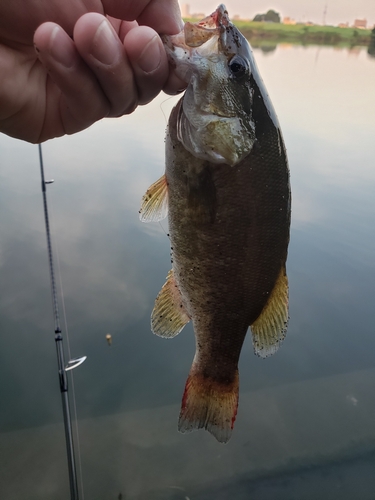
{"x":85,"y":67}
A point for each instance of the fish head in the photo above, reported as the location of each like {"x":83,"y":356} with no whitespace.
{"x":215,"y":121}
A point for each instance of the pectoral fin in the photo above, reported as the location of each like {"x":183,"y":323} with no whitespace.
{"x":269,"y":329}
{"x":155,"y":202}
{"x":169,"y":315}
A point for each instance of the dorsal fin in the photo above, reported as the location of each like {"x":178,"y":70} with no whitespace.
{"x":269,"y":329}
{"x":155,"y":202}
{"x":169,"y":315}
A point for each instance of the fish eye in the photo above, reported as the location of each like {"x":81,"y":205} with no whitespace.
{"x":238,"y":66}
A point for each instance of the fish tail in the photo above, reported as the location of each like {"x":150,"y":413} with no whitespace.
{"x":210,"y":404}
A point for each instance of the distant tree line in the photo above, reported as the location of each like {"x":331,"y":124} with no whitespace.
{"x":271,"y":17}
{"x":259,"y":32}
{"x":371,"y":47}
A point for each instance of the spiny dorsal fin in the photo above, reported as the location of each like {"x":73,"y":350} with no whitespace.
{"x":155,"y":202}
{"x":269,"y":329}
{"x":169,"y":315}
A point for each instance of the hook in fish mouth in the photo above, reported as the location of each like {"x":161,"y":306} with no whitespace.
{"x":196,"y":34}
{"x":217,"y":19}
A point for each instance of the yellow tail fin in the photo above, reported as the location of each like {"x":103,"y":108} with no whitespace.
{"x":209,"y":404}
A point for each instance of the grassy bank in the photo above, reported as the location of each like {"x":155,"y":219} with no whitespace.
{"x":302,"y":34}
{"x":299,"y":33}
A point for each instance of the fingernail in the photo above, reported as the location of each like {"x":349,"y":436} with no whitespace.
{"x":103,"y":46}
{"x":150,"y":58}
{"x":62,"y":52}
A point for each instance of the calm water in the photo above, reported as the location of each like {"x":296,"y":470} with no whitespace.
{"x":306,"y":422}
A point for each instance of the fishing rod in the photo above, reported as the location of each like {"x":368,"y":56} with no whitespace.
{"x":73,"y":363}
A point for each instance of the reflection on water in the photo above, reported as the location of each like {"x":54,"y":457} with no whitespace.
{"x":270,"y":46}
{"x":311,"y":405}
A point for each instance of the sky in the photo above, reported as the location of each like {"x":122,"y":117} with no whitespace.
{"x":338,"y":11}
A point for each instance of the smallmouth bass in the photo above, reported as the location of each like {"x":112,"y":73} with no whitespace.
{"x":227,"y":194}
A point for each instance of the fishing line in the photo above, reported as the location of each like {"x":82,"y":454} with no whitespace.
{"x":163,"y":102}
{"x":165,"y":232}
{"x":56,"y":246}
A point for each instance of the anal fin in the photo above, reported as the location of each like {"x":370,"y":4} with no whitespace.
{"x":155,"y":202}
{"x":269,"y":329}
{"x":169,"y":315}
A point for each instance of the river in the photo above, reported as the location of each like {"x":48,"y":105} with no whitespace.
{"x":306,"y":422}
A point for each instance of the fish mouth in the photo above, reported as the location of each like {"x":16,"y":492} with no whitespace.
{"x":195,"y":35}
{"x":217,"y":19}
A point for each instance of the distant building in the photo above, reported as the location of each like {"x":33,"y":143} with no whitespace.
{"x":185,"y":10}
{"x":236,"y":17}
{"x":343,"y":25}
{"x":360,"y":24}
{"x":289,"y":20}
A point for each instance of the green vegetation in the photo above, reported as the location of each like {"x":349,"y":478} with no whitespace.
{"x":257,"y":32}
{"x":271,"y":33}
{"x":371,"y":47}
{"x":271,"y":16}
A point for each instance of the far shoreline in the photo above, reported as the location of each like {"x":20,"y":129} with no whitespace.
{"x":301,"y":34}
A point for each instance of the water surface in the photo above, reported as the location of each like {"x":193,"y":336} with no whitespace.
{"x":305,"y":415}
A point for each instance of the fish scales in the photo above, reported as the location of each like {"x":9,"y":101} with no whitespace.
{"x":229,"y":218}
{"x":224,"y":253}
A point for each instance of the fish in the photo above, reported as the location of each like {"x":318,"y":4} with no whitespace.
{"x":226,"y":191}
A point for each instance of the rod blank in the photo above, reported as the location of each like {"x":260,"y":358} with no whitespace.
{"x":59,"y":348}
